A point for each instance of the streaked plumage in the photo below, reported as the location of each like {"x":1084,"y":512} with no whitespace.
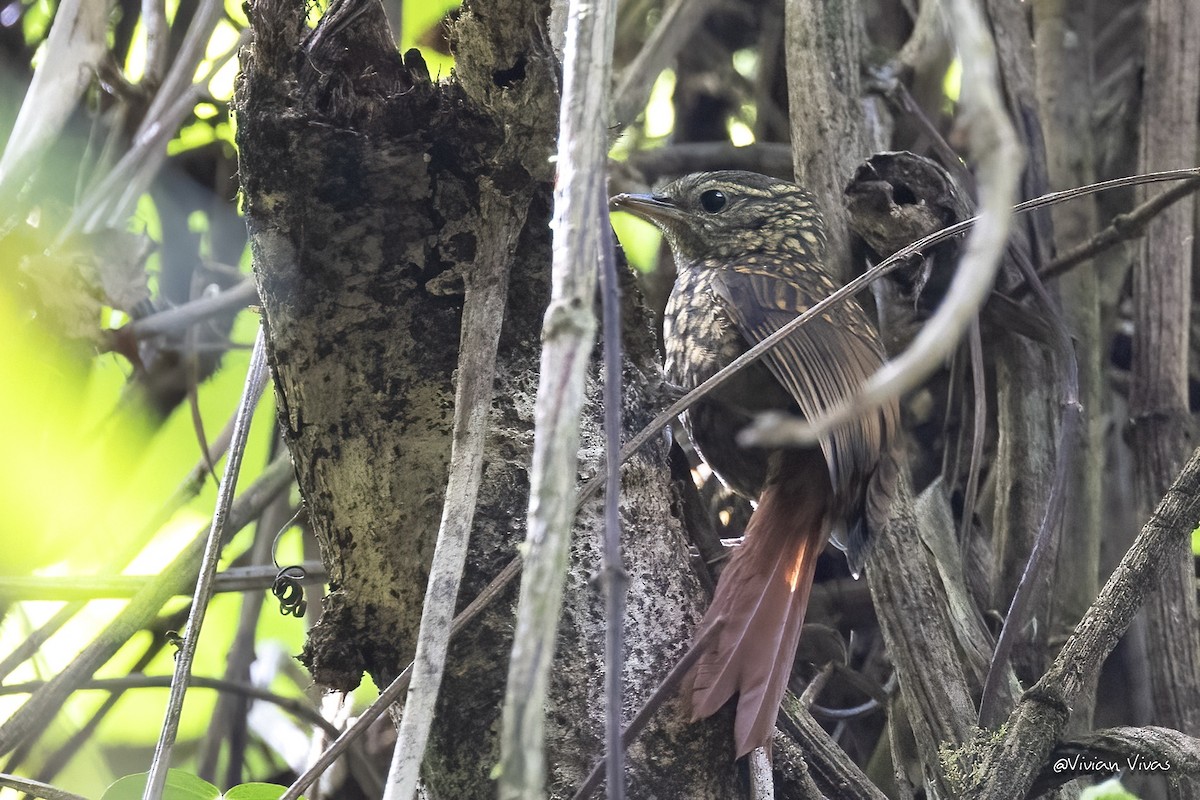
{"x":749,"y":253}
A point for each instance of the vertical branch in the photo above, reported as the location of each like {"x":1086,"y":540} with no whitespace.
{"x":1063,"y":38}
{"x":830,"y":133}
{"x":183,"y":68}
{"x":1030,"y":380}
{"x":158,"y":40}
{"x":256,"y":381}
{"x":614,"y":579}
{"x":1158,"y":398}
{"x":229,"y":717}
{"x":671,"y":34}
{"x":932,"y":678}
{"x":568,"y":330}
{"x":483,"y":315}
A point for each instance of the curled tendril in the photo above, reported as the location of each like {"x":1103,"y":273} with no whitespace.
{"x":824,"y":712}
{"x":289,"y":590}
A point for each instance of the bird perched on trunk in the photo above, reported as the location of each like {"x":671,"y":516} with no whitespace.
{"x":749,"y":252}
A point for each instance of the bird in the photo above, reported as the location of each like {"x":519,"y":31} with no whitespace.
{"x":749,"y":253}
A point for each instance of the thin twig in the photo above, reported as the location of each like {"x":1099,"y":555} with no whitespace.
{"x":233,"y":579}
{"x":670,"y":35}
{"x":979,"y":428}
{"x":1041,"y":555}
{"x":181,"y":317}
{"x":952,"y":453}
{"x":296,"y":707}
{"x":580,"y":228}
{"x":191,"y":361}
{"x":230,"y":716}
{"x":614,"y":579}
{"x":256,"y":381}
{"x":37,"y":788}
{"x":1123,"y":227}
{"x":140,"y":610}
{"x":809,"y":696}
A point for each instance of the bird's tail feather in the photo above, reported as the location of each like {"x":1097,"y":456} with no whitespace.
{"x":761,"y":596}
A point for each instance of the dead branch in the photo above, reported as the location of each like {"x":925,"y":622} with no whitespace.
{"x":1012,"y":763}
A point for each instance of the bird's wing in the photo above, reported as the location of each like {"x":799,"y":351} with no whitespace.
{"x":820,"y":364}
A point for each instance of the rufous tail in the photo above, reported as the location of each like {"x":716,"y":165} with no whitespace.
{"x":762,"y":595}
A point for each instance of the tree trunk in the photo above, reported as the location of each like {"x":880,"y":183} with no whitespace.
{"x":1064,"y":37}
{"x":1159,"y":393}
{"x":831,"y":135}
{"x":364,"y":182}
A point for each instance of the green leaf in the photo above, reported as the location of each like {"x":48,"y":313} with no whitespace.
{"x":255,"y":791}
{"x":180,"y":786}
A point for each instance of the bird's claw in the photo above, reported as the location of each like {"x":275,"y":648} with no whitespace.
{"x":670,"y":392}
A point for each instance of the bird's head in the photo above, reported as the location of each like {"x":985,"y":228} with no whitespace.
{"x":726,"y":214}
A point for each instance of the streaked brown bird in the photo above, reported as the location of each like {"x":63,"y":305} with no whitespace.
{"x":749,"y":252}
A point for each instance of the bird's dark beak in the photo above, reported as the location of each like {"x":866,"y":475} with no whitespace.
{"x":651,"y":208}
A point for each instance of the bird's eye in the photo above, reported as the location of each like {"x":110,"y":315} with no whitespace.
{"x":713,"y":201}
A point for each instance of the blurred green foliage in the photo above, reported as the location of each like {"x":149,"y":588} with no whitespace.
{"x":1108,"y":790}
{"x":421,"y":25}
{"x":36,"y":20}
{"x":86,"y":471}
